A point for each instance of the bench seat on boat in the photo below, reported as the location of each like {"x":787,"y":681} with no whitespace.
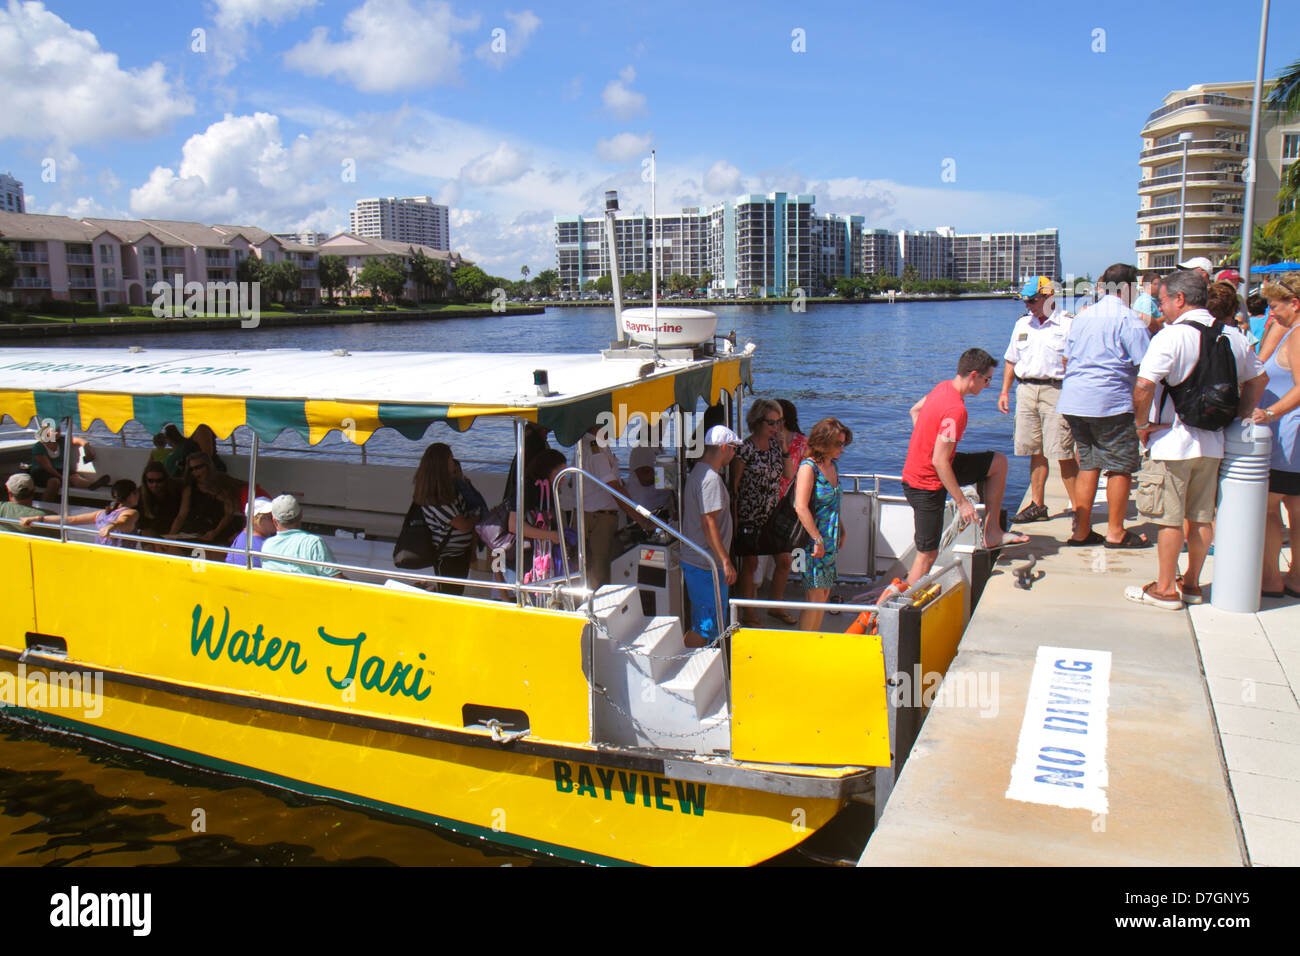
{"x":334,"y":494}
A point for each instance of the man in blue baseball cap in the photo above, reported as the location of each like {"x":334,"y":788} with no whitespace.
{"x":1035,"y":358}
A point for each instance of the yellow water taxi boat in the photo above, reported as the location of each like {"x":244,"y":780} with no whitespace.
{"x":559,"y":721}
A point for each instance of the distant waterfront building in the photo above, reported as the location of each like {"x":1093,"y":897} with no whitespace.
{"x":1217,"y":118}
{"x":11,"y":194}
{"x":416,"y":219}
{"x":767,"y":245}
{"x":357,"y":250}
{"x":1004,"y":258}
{"x":307,"y":238}
{"x":880,"y":253}
{"x":774,"y":243}
{"x":927,"y":253}
{"x":837,"y":248}
{"x":106,"y":262}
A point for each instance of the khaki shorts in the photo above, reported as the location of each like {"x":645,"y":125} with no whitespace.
{"x":1039,"y":430}
{"x":1170,"y":491}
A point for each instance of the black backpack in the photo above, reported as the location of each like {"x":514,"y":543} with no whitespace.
{"x":1209,"y":397}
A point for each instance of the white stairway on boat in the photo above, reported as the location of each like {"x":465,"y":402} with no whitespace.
{"x":657,"y":692}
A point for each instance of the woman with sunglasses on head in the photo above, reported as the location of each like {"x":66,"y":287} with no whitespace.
{"x":160,"y":500}
{"x":213,"y":503}
{"x":756,"y":474}
{"x":1279,"y":408}
{"x":817,"y":503}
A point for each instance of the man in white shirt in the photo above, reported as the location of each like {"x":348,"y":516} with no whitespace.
{"x":1035,"y":358}
{"x":1180,"y":473}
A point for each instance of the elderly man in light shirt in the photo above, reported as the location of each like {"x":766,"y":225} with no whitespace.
{"x":1180,"y":474}
{"x":1106,"y":344}
{"x":1035,"y":358}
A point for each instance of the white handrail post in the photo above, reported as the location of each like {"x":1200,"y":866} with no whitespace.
{"x":252,"y":497}
{"x":68,"y":451}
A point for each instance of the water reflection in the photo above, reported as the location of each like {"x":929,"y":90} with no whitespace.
{"x":65,"y":801}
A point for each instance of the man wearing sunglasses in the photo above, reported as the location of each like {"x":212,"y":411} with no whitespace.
{"x":1035,"y":358}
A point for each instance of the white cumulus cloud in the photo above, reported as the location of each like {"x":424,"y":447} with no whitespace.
{"x":624,"y":146}
{"x":241,"y":169}
{"x":722,"y":177}
{"x":512,"y":41}
{"x":502,"y":165}
{"x":233,"y":14}
{"x":623,"y":103}
{"x":59,"y":84}
{"x":391,"y":45}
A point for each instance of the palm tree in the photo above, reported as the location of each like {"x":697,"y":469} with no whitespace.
{"x":523,"y":271}
{"x":1285,"y":95}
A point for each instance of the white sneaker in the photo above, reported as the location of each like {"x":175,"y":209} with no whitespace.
{"x":1146,"y":595}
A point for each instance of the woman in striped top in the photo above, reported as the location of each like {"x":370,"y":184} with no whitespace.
{"x":446,"y":512}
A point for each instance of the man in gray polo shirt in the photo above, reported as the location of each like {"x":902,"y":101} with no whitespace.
{"x":1105,"y":347}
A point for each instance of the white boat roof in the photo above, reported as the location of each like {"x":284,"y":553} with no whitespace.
{"x":290,"y":387}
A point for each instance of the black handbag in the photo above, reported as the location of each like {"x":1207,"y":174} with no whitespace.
{"x":414,"y":548}
{"x":783,"y":531}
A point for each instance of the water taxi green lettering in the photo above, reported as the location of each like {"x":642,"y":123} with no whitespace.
{"x":236,"y":645}
{"x":661,"y":791}
{"x":372,"y":671}
{"x":628,"y":786}
{"x":690,"y":796}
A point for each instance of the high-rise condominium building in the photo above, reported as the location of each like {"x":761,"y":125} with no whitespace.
{"x":417,"y":219}
{"x":1197,"y":142}
{"x":306,"y":237}
{"x":769,"y":245}
{"x":1003,"y":258}
{"x":11,"y":194}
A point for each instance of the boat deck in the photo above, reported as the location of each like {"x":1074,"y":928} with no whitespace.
{"x":1202,"y":753}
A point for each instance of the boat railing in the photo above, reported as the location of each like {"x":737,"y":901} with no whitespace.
{"x":199,"y":551}
{"x":644,"y":512}
{"x":736,"y":604}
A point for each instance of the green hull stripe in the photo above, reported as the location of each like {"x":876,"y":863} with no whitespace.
{"x":310,"y":789}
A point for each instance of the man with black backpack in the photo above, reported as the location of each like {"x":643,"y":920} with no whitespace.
{"x":1196,"y":377}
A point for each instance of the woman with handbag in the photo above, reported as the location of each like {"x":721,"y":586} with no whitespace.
{"x":447,"y":515}
{"x":817,"y":503}
{"x":756,"y":475}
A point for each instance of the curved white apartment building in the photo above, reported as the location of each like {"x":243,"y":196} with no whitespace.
{"x":1216,"y":117}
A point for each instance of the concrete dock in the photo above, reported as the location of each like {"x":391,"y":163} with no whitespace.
{"x":1200,"y":729}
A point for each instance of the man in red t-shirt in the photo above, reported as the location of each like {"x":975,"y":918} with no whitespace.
{"x":934,"y":468}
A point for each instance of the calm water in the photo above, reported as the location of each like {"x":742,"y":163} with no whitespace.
{"x":64,"y":801}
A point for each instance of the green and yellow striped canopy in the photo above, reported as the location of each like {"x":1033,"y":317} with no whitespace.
{"x":356,"y":394}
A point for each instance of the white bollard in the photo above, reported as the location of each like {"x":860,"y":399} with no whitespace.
{"x":1239,"y":518}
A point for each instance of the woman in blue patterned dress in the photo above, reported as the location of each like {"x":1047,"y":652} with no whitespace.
{"x":817,"y":503}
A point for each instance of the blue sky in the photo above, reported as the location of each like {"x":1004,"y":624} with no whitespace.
{"x":282,"y":112}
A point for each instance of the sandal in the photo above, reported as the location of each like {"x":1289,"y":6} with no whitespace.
{"x":1147,"y":595}
{"x":1191,"y":595}
{"x":1093,"y":538}
{"x":1010,"y":538}
{"x":785,"y":617}
{"x":1130,"y":540}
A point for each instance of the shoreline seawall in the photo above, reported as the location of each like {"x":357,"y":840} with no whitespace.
{"x":109,"y":326}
